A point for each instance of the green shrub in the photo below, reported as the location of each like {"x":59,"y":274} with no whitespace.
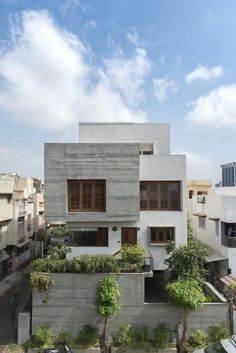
{"x":141,"y":338}
{"x":42,"y":283}
{"x":58,"y":253}
{"x":218,"y":332}
{"x":132,"y":256}
{"x":161,"y":337}
{"x":197,"y":339}
{"x":59,"y":232}
{"x":66,"y":337}
{"x":88,"y":337}
{"x":123,"y":338}
{"x":43,"y":338}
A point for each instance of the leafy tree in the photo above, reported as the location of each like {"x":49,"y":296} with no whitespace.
{"x":59,"y":232}
{"x":107,"y":302}
{"x":37,"y":184}
{"x":188,"y":294}
{"x":188,"y":261}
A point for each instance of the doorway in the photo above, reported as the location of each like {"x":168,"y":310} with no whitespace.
{"x":128,"y":236}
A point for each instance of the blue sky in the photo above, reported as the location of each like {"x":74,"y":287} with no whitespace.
{"x":64,"y":61}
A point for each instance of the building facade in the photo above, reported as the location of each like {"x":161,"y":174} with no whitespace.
{"x":21,"y":217}
{"x":214,"y":224}
{"x":229,"y":174}
{"x":118,"y":185}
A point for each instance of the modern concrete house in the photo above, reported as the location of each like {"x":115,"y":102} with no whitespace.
{"x":214,"y":224}
{"x":118,"y":185}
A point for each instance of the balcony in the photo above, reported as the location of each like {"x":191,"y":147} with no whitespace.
{"x":230,"y":242}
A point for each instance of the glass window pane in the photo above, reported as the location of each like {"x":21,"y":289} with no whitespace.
{"x":174,"y":196}
{"x":153,"y":195}
{"x":163,"y":195}
{"x":143,"y":195}
{"x":100,"y":195}
{"x":87,"y":196}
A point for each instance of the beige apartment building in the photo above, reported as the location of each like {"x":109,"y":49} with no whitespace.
{"x":21,"y":217}
{"x":198,"y":187}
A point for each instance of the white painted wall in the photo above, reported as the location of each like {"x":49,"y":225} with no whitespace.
{"x":216,"y":206}
{"x":158,"y":134}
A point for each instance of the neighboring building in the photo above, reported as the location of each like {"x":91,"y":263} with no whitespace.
{"x":118,"y":185}
{"x":21,"y":217}
{"x":229,"y":174}
{"x":198,"y":187}
{"x":6,"y":216}
{"x":214,"y":224}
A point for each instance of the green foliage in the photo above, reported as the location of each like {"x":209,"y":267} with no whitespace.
{"x":187,"y":262}
{"x":161,"y":337}
{"x":218,"y":332}
{"x":15,"y":348}
{"x":37,"y":184}
{"x":66,"y":337}
{"x":141,"y":338}
{"x":42,"y":283}
{"x":59,"y":232}
{"x":43,"y":338}
{"x":186,"y":293}
{"x":80,"y":264}
{"x":189,"y":229}
{"x":108,"y":294}
{"x":197,"y":339}
{"x":132,"y":256}
{"x":58,"y":253}
{"x":88,"y":337}
{"x":123,"y":338}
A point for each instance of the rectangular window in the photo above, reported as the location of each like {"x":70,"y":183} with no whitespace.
{"x":190,"y":194}
{"x":201,"y":222}
{"x":160,"y":195}
{"x":90,"y":237}
{"x":86,"y":195}
{"x":161,"y":235}
{"x":217,"y":227}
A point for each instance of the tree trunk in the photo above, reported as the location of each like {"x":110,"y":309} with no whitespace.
{"x":103,"y":339}
{"x":180,"y":349}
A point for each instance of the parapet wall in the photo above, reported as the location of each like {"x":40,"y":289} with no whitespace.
{"x":72,"y":305}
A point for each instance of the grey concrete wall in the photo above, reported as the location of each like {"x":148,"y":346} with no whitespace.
{"x":118,"y":164}
{"x":23,"y":327}
{"x":72,"y":305}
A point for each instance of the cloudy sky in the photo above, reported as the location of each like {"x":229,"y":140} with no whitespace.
{"x":65,"y":61}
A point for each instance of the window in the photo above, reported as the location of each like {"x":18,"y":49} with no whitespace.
{"x":190,"y":194}
{"x":86,"y":195}
{"x":161,"y":235}
{"x":90,"y":237}
{"x":160,"y":195}
{"x":201,"y":222}
{"x":146,"y":148}
{"x":202,"y":192}
{"x":217,"y":227}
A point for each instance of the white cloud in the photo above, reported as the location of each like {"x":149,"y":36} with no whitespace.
{"x":161,"y":87}
{"x":50,"y":83}
{"x":204,"y":73}
{"x":217,"y":109}
{"x":128,"y":75}
{"x":133,"y":37}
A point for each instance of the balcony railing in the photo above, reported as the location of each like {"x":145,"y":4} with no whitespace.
{"x":230,"y":242}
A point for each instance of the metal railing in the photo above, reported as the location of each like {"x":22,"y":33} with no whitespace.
{"x":230,"y":242}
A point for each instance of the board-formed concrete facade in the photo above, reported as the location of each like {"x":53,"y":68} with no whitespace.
{"x":72,"y":305}
{"x":123,"y":154}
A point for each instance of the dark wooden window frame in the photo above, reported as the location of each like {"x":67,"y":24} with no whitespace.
{"x":100,"y":230}
{"x":164,"y":242}
{"x":81,"y":183}
{"x":158,"y":208}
